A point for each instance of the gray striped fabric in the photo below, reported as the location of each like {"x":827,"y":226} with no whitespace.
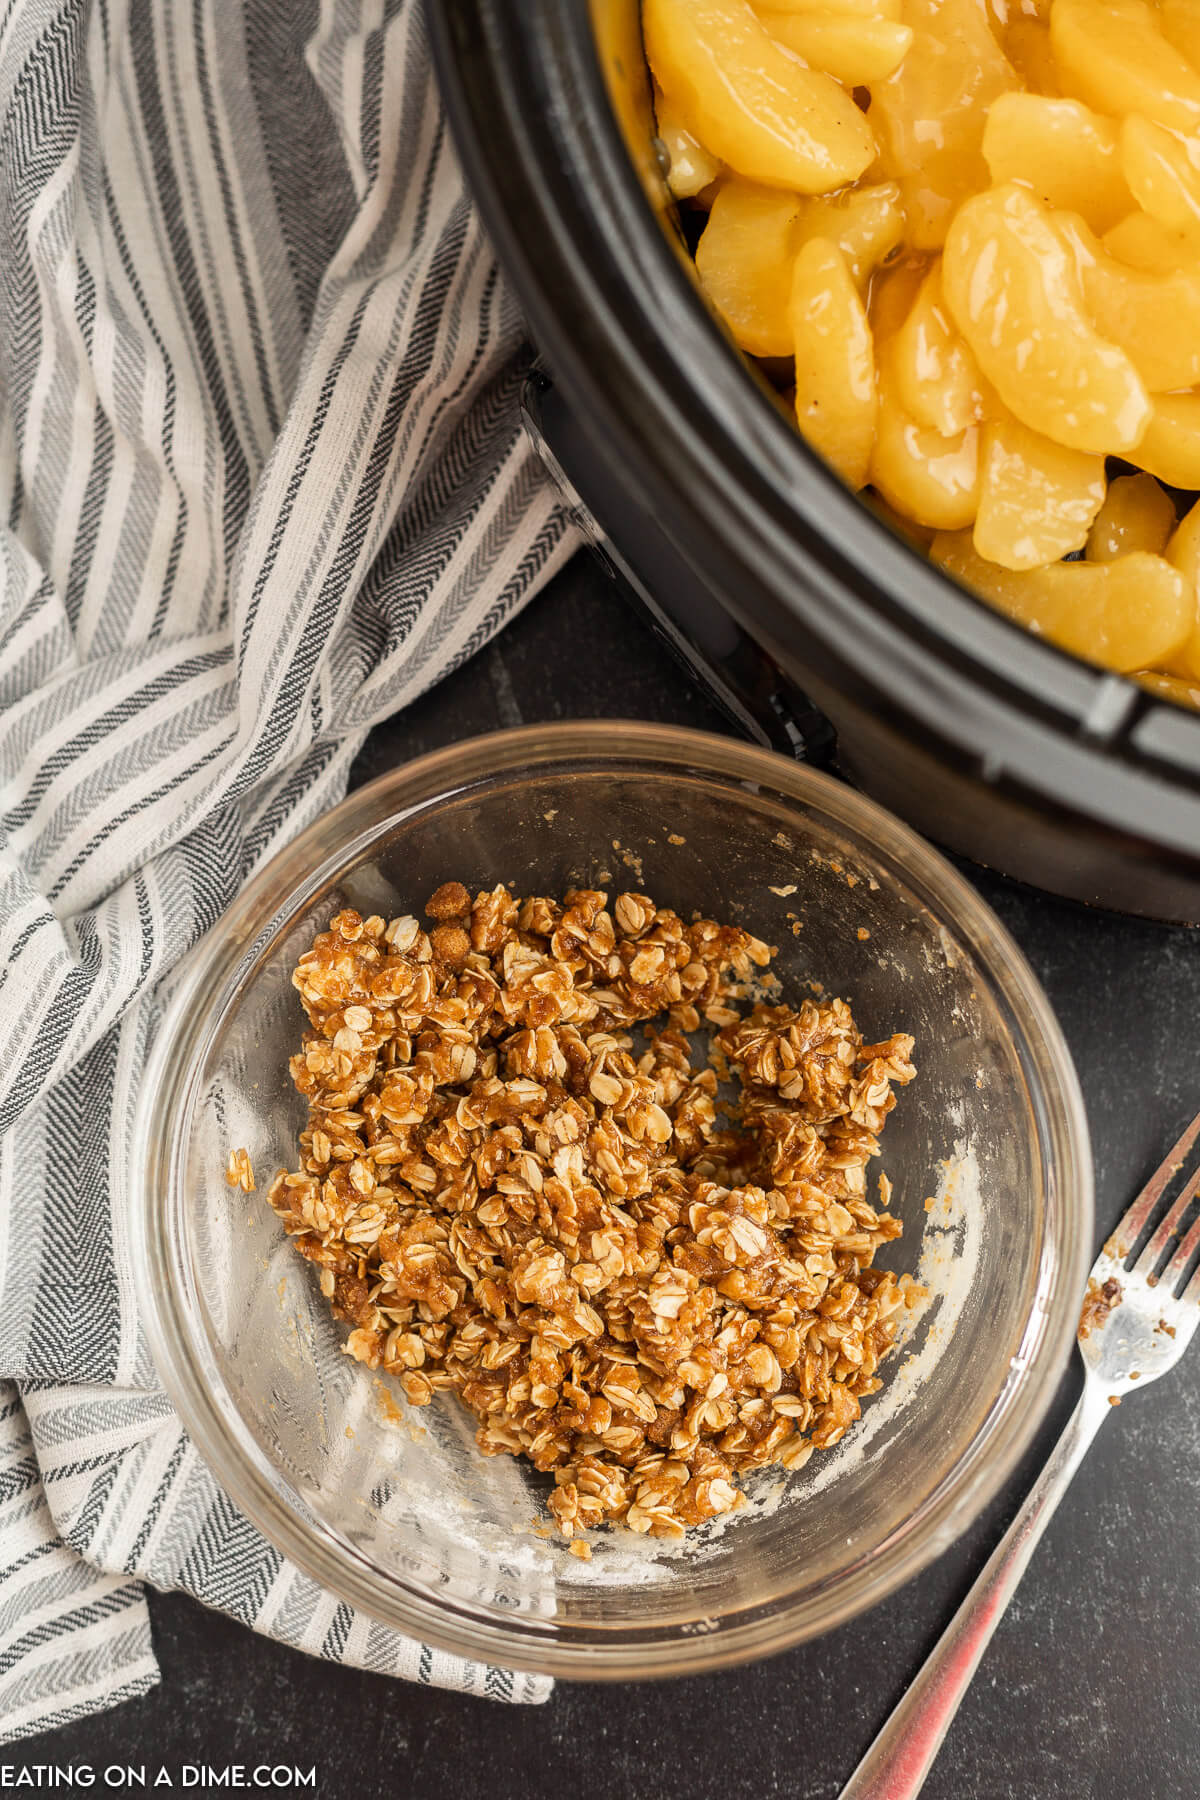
{"x":263,"y":483}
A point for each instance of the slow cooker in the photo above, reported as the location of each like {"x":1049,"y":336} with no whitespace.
{"x":821,"y":632}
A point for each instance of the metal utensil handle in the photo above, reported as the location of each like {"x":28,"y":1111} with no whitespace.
{"x":895,"y":1766}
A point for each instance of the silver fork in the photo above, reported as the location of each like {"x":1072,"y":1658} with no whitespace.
{"x":1134,"y":1326}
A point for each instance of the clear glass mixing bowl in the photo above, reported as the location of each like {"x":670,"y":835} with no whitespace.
{"x":394,"y":1510}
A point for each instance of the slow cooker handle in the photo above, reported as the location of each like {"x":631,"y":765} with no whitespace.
{"x":733,"y":670}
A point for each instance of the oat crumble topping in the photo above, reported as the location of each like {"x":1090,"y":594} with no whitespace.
{"x":645,"y":1290}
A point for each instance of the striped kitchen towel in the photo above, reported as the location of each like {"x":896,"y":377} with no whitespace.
{"x":263,"y":482}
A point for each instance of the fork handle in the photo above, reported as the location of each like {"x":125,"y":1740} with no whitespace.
{"x":895,"y":1766}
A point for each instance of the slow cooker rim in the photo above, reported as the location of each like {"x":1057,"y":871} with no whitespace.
{"x":512,"y":77}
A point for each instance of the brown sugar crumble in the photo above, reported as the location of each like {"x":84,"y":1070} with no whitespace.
{"x":646,"y":1289}
{"x":1098,"y":1303}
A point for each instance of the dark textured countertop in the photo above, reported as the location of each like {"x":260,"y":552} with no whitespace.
{"x":1091,"y":1690}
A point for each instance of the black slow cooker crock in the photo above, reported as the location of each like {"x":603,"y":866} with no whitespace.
{"x":809,"y":618}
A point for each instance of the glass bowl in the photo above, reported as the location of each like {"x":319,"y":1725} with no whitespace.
{"x":394,"y":1510}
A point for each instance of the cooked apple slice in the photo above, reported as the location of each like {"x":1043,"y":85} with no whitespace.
{"x":1183,"y":552}
{"x":1113,"y":55}
{"x":1125,"y":615}
{"x":1068,"y":155}
{"x":853,"y":50}
{"x":752,"y":103}
{"x":938,"y":381}
{"x":1136,"y":515}
{"x":866,"y":224}
{"x":1162,"y":169}
{"x":1171,"y":446}
{"x":1153,"y":318}
{"x":836,"y":394}
{"x":930,"y":114}
{"x":1037,"y":500}
{"x":1016,"y":297}
{"x":745,"y":258}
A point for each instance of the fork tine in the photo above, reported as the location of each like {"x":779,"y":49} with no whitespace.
{"x":1173,"y":1272}
{"x":1133,"y":1224}
{"x":1167,"y":1229}
{"x":1191,"y":1293}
